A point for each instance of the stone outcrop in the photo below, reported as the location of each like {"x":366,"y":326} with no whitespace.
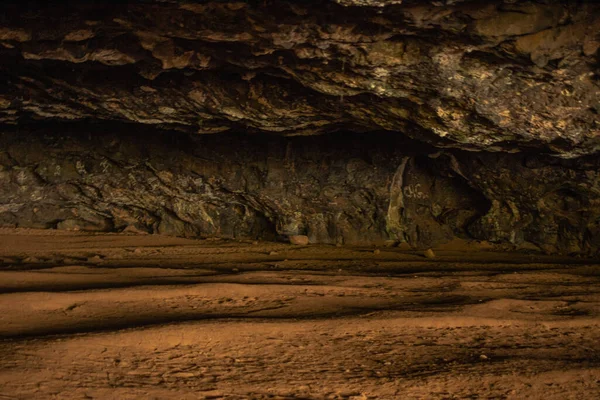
{"x":421,"y":121}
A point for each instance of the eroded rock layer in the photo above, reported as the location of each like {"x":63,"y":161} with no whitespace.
{"x":332,"y":188}
{"x":487,"y":75}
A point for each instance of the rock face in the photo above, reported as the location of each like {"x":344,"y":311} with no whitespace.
{"x":437,"y":119}
{"x":331,"y":188}
{"x":491,"y":76}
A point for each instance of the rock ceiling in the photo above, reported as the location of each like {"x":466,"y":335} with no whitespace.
{"x":494,"y":75}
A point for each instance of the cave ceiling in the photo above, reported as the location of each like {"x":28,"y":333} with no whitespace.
{"x":493,"y":75}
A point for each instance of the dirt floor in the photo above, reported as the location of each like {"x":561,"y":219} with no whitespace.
{"x":117,"y":316}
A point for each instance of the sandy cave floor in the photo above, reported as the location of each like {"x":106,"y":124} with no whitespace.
{"x":115,"y":316}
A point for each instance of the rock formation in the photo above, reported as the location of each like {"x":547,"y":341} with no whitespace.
{"x":421,"y":121}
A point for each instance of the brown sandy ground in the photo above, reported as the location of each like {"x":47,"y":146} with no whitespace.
{"x":116,"y":316}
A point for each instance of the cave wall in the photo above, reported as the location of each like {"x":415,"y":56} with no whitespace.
{"x":350,"y":121}
{"x":342,"y":188}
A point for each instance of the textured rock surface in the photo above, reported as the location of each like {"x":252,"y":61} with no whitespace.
{"x":331,"y":188}
{"x":424,"y":121}
{"x":481,"y":75}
